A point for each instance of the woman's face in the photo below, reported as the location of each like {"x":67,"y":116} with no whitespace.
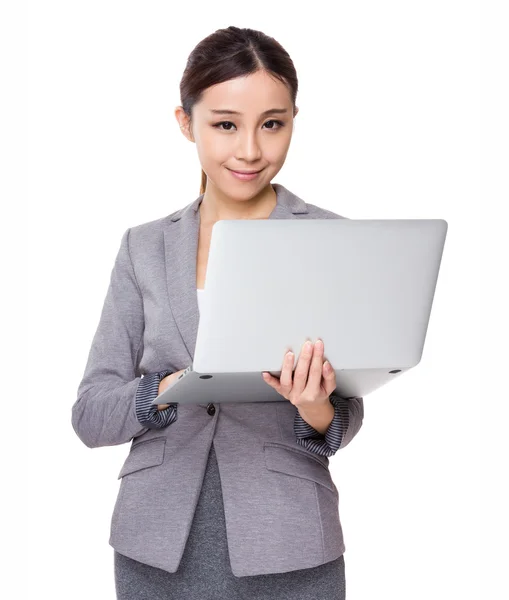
{"x":248,"y":141}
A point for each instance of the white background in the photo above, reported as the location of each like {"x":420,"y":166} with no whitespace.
{"x":391,"y":96}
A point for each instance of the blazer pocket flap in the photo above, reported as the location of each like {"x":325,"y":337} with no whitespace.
{"x":148,"y":453}
{"x":293,"y":461}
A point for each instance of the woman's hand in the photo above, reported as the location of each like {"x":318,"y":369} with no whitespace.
{"x":313,"y":381}
{"x":166,"y":382}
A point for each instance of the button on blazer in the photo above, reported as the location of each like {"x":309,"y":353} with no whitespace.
{"x":280,"y":502}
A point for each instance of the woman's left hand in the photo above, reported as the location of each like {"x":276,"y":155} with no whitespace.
{"x":313,"y":381}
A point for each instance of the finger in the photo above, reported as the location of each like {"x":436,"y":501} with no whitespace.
{"x":272,"y":381}
{"x":329,"y":378}
{"x":300,"y":376}
{"x":315,"y":369}
{"x":286,"y":377}
{"x":162,"y":406}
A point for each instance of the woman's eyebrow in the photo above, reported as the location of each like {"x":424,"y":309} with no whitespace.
{"x":234,"y":112}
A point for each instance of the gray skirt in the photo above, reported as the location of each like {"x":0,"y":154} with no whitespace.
{"x":204,"y":572}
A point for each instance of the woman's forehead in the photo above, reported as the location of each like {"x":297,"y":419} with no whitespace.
{"x":252,"y":95}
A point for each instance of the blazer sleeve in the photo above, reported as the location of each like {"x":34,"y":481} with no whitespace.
{"x":347,"y":420}
{"x":112,"y":398}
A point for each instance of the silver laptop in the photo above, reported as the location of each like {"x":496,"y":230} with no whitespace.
{"x":365,"y":287}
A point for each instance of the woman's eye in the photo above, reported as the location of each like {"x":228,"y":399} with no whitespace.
{"x":218,"y":125}
{"x":278,"y":123}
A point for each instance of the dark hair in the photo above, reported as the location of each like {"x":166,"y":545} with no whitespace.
{"x":230,"y":53}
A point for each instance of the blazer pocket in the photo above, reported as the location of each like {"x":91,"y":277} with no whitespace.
{"x":148,"y":453}
{"x":293,"y":461}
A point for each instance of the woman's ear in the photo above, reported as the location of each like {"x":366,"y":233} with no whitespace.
{"x":184,"y":123}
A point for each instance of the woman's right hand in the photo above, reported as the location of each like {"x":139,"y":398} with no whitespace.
{"x":166,"y":382}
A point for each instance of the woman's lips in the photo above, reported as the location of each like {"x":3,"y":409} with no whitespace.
{"x":245,"y":176}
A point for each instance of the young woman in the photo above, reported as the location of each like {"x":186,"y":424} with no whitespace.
{"x":233,"y":500}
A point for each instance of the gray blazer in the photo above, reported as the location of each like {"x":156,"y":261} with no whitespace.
{"x":281,"y":504}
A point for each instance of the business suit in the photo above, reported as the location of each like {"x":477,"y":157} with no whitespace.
{"x":280,"y":503}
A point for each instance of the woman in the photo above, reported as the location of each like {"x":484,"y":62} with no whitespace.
{"x":233,"y":500}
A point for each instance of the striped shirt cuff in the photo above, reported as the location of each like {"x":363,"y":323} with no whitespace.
{"x":326,"y":444}
{"x":148,"y":414}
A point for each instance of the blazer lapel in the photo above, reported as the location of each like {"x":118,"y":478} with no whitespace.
{"x":181,"y":231}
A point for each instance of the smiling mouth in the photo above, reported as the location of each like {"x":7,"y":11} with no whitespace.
{"x":245,"y":172}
